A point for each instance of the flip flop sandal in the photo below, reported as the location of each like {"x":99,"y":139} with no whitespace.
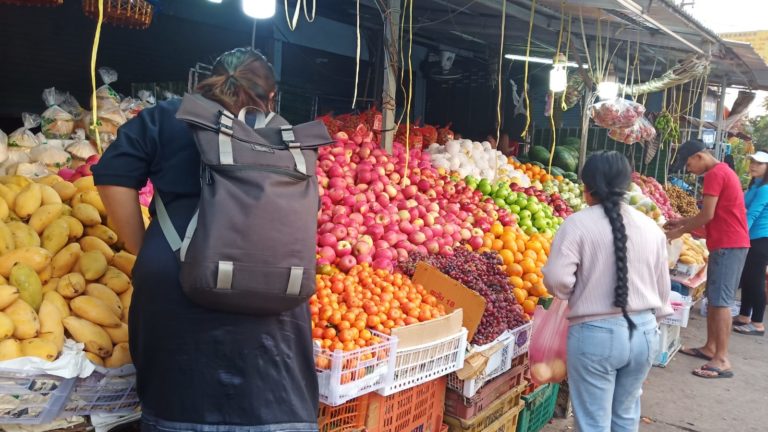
{"x":737,"y":323}
{"x":695,"y":352}
{"x":719,"y":373}
{"x":749,"y":330}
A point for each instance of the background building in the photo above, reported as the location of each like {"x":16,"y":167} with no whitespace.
{"x":758,"y":39}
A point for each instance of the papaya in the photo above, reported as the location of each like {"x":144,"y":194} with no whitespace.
{"x":95,"y":339}
{"x":28,"y":283}
{"x":71,"y":285}
{"x":94,"y":310}
{"x":35,"y":257}
{"x":26,"y":324}
{"x":93,"y":265}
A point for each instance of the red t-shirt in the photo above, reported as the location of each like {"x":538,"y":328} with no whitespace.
{"x":728,"y":229}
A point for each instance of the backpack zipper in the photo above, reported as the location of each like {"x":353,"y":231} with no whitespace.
{"x":294,"y":175}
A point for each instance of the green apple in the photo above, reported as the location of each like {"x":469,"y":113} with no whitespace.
{"x":514,"y":208}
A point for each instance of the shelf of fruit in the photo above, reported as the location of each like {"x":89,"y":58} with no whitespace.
{"x":655,"y":191}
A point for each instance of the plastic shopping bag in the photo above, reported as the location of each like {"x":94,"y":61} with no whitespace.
{"x":617,"y":113}
{"x":549,"y":343}
{"x":642,"y":131}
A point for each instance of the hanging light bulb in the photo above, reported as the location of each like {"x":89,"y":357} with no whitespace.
{"x":215,"y":1}
{"x":259,"y":9}
{"x":558,"y":76}
{"x":608,"y":88}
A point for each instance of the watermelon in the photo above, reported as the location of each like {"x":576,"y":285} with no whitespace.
{"x":539,"y":154}
{"x":572,"y":142}
{"x":539,"y":164}
{"x":571,"y":176}
{"x":557,"y":171}
{"x":565,"y":159}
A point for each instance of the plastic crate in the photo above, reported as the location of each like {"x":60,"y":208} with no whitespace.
{"x":735,"y":308}
{"x":349,"y":416}
{"x":516,"y":343}
{"x":106,"y":391}
{"x":419,"y":364}
{"x":539,"y":408}
{"x":465,"y":408}
{"x":31,"y":398}
{"x":417,"y":409}
{"x":669,"y":344}
{"x":497,"y":417}
{"x":682,"y":314}
{"x":343,"y":376}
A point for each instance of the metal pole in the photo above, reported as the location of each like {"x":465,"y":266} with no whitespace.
{"x":389,"y":96}
{"x":720,"y":120}
{"x":584,"y":129}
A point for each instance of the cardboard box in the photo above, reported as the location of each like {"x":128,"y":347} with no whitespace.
{"x":429,"y":331}
{"x":453,"y":295}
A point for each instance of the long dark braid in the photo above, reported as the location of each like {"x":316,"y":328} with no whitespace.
{"x":607,"y":176}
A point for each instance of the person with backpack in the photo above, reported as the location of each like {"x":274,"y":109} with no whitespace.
{"x":750,"y":319}
{"x":220,"y":330}
{"x":609,"y":262}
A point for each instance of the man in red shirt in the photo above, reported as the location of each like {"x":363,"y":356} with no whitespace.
{"x":723,"y":216}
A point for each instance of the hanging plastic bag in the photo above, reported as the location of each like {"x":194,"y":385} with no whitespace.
{"x":56,"y":123}
{"x":105,"y":95}
{"x":23,"y":136}
{"x":81,"y":149}
{"x":3,"y":146}
{"x":642,"y":131}
{"x":549,"y":343}
{"x":617,"y":113}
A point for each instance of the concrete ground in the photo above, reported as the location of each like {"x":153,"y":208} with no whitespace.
{"x":675,"y":400}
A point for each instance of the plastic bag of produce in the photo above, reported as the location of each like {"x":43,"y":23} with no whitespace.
{"x":56,"y":123}
{"x":105,"y":95}
{"x":3,"y":146}
{"x":549,"y":343}
{"x":23,"y":136}
{"x":81,"y":149}
{"x":617,"y":113}
{"x":72,"y":106}
{"x":51,"y":156}
{"x":641,"y":131}
{"x":16,"y":155}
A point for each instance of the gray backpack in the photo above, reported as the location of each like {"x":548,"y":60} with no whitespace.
{"x":250,"y":247}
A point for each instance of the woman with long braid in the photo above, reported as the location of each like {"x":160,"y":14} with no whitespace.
{"x":610,"y":262}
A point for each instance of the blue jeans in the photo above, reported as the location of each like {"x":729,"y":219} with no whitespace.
{"x":606,"y":371}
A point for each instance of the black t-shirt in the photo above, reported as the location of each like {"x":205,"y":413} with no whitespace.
{"x":196,"y":365}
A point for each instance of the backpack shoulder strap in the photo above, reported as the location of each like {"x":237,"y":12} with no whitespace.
{"x":169,"y":231}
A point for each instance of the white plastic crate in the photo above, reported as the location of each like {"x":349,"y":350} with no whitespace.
{"x":682,"y":314}
{"x":31,"y":398}
{"x":419,"y":364}
{"x":106,"y":391}
{"x":735,"y":309}
{"x":346,"y":375}
{"x":516,"y":343}
{"x":669,"y":344}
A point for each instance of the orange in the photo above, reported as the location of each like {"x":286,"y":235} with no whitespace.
{"x":531,"y":254}
{"x":497,"y":229}
{"x":527,"y":286}
{"x":539,"y":290}
{"x":516,"y":281}
{"x":518,"y":257}
{"x":528,"y":265}
{"x":507,"y":256}
{"x":528,"y":306}
{"x":533,"y":278}
{"x":510,"y":241}
{"x":520,"y":294}
{"x":534,"y":246}
{"x":488,"y":242}
{"x":514,"y":269}
{"x":497,"y":245}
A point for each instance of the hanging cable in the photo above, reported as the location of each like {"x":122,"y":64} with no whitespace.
{"x":296,"y":13}
{"x":357,"y":53}
{"x":552,"y":97}
{"x":501,"y":66}
{"x":563,"y":105}
{"x":410,"y":90}
{"x":525,"y":79}
{"x":94,"y":99}
{"x":314,"y":10}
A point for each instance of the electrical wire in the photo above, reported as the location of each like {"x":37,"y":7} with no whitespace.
{"x":552,"y":97}
{"x":410,"y":90}
{"x":357,"y":53}
{"x":292,"y":23}
{"x":314,"y":11}
{"x":501,"y":65}
{"x":525,"y":81}
{"x":94,"y":99}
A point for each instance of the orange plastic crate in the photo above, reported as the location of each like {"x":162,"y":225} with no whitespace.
{"x":419,"y":409}
{"x":347,"y":417}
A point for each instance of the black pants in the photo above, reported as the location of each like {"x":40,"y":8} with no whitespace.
{"x":753,"y":281}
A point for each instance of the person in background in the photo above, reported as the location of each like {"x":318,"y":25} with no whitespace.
{"x":750,"y":319}
{"x":609,"y":262}
{"x":199,"y":370}
{"x":723,"y":215}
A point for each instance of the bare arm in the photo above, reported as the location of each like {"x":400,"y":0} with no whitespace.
{"x":125,"y":213}
{"x":687,"y":225}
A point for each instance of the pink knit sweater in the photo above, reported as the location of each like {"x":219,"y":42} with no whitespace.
{"x":582,"y":267}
